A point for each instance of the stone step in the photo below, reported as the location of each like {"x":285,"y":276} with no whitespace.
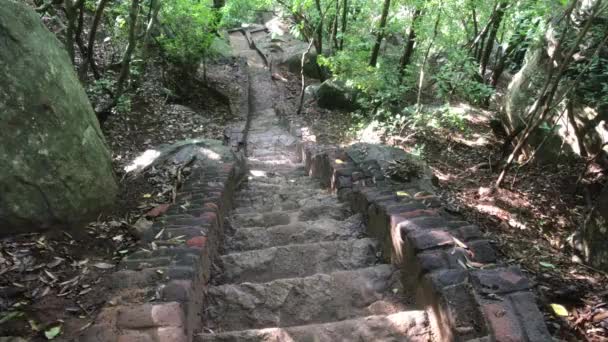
{"x":299,"y":260}
{"x":405,"y":326}
{"x":325,"y":229}
{"x":320,"y":298}
{"x":336,"y":211}
{"x":287,"y":203}
{"x":284,"y":194}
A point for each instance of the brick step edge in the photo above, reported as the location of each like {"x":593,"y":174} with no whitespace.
{"x":446,"y":262}
{"x":158,"y":292}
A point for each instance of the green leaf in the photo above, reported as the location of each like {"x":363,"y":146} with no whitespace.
{"x":546,"y":264}
{"x":559,"y":310}
{"x":5,"y":317}
{"x":53,"y":332}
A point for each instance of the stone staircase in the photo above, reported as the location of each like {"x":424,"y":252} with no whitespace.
{"x":297,"y":265}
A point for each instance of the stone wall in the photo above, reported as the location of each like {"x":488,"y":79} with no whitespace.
{"x":158,"y":293}
{"x":453,"y":270}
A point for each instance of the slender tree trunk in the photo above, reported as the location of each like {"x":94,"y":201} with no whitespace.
{"x":516,"y":42}
{"x":79,"y":28}
{"x":376,"y":51}
{"x":126,"y":59}
{"x":319,"y":32}
{"x":334,"y":30}
{"x":425,"y":60}
{"x":496,"y":21}
{"x":90,"y":54}
{"x":71,"y":9}
{"x":344,"y":22}
{"x":155,"y":6}
{"x":409,"y":45}
{"x":302,"y":77}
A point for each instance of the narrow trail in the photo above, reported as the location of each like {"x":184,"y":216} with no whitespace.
{"x":297,"y":265}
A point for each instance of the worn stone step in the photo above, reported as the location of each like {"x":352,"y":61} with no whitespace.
{"x":325,"y":229}
{"x":335,"y":211}
{"x":319,"y":298}
{"x":299,"y":260}
{"x":279,"y":195}
{"x":287,"y":203}
{"x":405,"y":326}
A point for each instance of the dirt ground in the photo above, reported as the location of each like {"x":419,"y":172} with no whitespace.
{"x":529,"y":221}
{"x":55,"y":284}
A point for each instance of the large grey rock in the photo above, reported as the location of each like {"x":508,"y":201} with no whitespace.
{"x":335,"y":94}
{"x":593,"y":239}
{"x":55,"y":167}
{"x":385,"y":156}
{"x":526,"y":85}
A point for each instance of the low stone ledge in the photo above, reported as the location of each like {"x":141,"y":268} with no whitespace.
{"x":447,"y":262}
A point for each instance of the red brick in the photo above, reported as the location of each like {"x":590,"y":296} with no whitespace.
{"x":197,"y":241}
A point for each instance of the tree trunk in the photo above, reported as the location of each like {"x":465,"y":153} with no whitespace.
{"x":376,"y":51}
{"x":302,"y":77}
{"x":126,"y":59}
{"x":409,"y":46}
{"x":344,"y":22}
{"x":515,"y":43}
{"x":424,"y":61}
{"x":90,"y":54}
{"x":334,"y":31}
{"x":319,"y":32}
{"x":71,"y":14}
{"x":496,"y":21}
{"x":79,"y":28}
{"x":152,"y":19}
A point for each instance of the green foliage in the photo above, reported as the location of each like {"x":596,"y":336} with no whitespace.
{"x":458,"y":77}
{"x":238,"y":12}
{"x":188,"y":30}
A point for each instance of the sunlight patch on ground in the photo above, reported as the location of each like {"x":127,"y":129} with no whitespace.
{"x":145,"y":159}
{"x":275,"y":26}
{"x":371,"y":134}
{"x":475,"y":140}
{"x":210,"y":154}
{"x":257,"y":173}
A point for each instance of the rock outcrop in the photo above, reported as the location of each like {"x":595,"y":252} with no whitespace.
{"x":576,"y":123}
{"x":55,"y":167}
{"x":335,"y":94}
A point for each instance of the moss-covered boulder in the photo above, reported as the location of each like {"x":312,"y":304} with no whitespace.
{"x":335,"y":94}
{"x":55,"y":167}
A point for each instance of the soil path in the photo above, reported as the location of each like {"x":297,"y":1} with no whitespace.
{"x":297,"y":265}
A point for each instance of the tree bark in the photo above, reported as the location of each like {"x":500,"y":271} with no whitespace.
{"x":409,"y":46}
{"x":380,"y":36}
{"x":424,"y":61}
{"x":496,"y":21}
{"x":79,"y":28}
{"x":319,"y":32}
{"x":90,"y":54}
{"x":126,"y":59}
{"x":344,"y":22}
{"x":302,"y":77}
{"x":515,"y":43}
{"x":71,"y":14}
{"x":333,"y":41}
